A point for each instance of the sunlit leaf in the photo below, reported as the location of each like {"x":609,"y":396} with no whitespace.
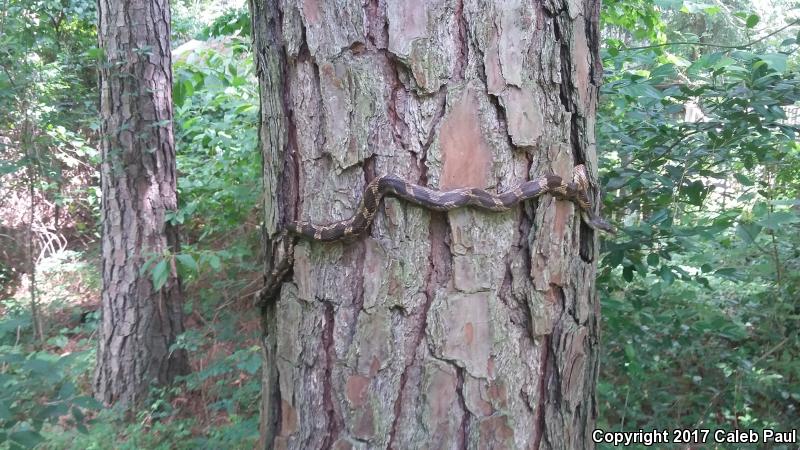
{"x":776,"y":61}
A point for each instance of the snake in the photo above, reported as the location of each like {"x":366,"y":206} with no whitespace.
{"x":576,"y":191}
{"x":436,"y":200}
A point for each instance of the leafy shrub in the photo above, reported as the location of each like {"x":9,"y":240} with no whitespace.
{"x":699,"y":291}
{"x":38,"y":388}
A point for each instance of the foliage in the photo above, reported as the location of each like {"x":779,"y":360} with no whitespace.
{"x":47,"y":112}
{"x":39,"y":388}
{"x":216,"y":105}
{"x":233,"y":22}
{"x":699,"y":292}
{"x":48,"y":76}
{"x":202,"y":19}
{"x":52,"y":93}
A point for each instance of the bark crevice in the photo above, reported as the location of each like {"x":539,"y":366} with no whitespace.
{"x":539,"y":430}
{"x":335,"y":423}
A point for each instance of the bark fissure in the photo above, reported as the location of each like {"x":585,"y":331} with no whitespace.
{"x":567,"y":87}
{"x":525,"y":229}
{"x":462,"y":42}
{"x":372,"y":12}
{"x":399,"y":127}
{"x":435,"y":277}
{"x":335,"y":423}
{"x":586,"y":243}
{"x":539,"y":423}
{"x":465,"y":418}
{"x":494,"y":100}
{"x":437,"y":119}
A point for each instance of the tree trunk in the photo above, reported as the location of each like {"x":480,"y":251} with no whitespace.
{"x":139,"y":323}
{"x":464,"y":329}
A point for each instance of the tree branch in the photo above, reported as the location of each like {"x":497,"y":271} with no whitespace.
{"x":704,"y":44}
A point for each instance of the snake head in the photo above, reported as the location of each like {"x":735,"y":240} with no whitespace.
{"x":605,"y":227}
{"x":598,"y":223}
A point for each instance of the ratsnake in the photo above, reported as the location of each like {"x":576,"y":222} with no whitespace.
{"x":575,"y":190}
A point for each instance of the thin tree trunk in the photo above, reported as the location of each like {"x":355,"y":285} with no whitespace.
{"x":32,"y":160}
{"x":139,"y":324}
{"x":436,"y":330}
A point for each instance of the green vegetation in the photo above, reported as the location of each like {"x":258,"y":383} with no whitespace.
{"x":700,"y":291}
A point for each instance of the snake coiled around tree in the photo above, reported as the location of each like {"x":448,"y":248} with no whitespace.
{"x":576,"y":191}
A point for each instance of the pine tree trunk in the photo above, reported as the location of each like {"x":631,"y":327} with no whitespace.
{"x":139,"y":323}
{"x":435,"y":330}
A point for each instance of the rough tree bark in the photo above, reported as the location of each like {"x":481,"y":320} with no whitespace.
{"x":138,"y":183}
{"x":457,"y":330}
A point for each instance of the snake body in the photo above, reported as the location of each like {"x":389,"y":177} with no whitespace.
{"x":576,"y":190}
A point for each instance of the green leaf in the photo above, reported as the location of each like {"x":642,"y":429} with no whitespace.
{"x":25,"y":439}
{"x":741,"y":178}
{"x":642,"y":90}
{"x":760,"y":210}
{"x":659,"y":216}
{"x":5,"y":412}
{"x":615,"y":183}
{"x":776,"y":61}
{"x":95,"y":53}
{"x":214,"y":262}
{"x":752,"y":21}
{"x":614,"y":258}
{"x":39,"y":366}
{"x":181,"y":91}
{"x":67,"y":391}
{"x":159,"y":274}
{"x":627,"y":273}
{"x":53,"y":411}
{"x":727,"y":272}
{"x":178,"y":94}
{"x":776,"y":220}
{"x":662,"y":71}
{"x":696,"y":193}
{"x":187,"y":262}
{"x":652,"y":259}
{"x":666,"y":274}
{"x":748,"y":231}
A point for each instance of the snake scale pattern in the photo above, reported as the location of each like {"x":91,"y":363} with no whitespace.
{"x":575,"y":191}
